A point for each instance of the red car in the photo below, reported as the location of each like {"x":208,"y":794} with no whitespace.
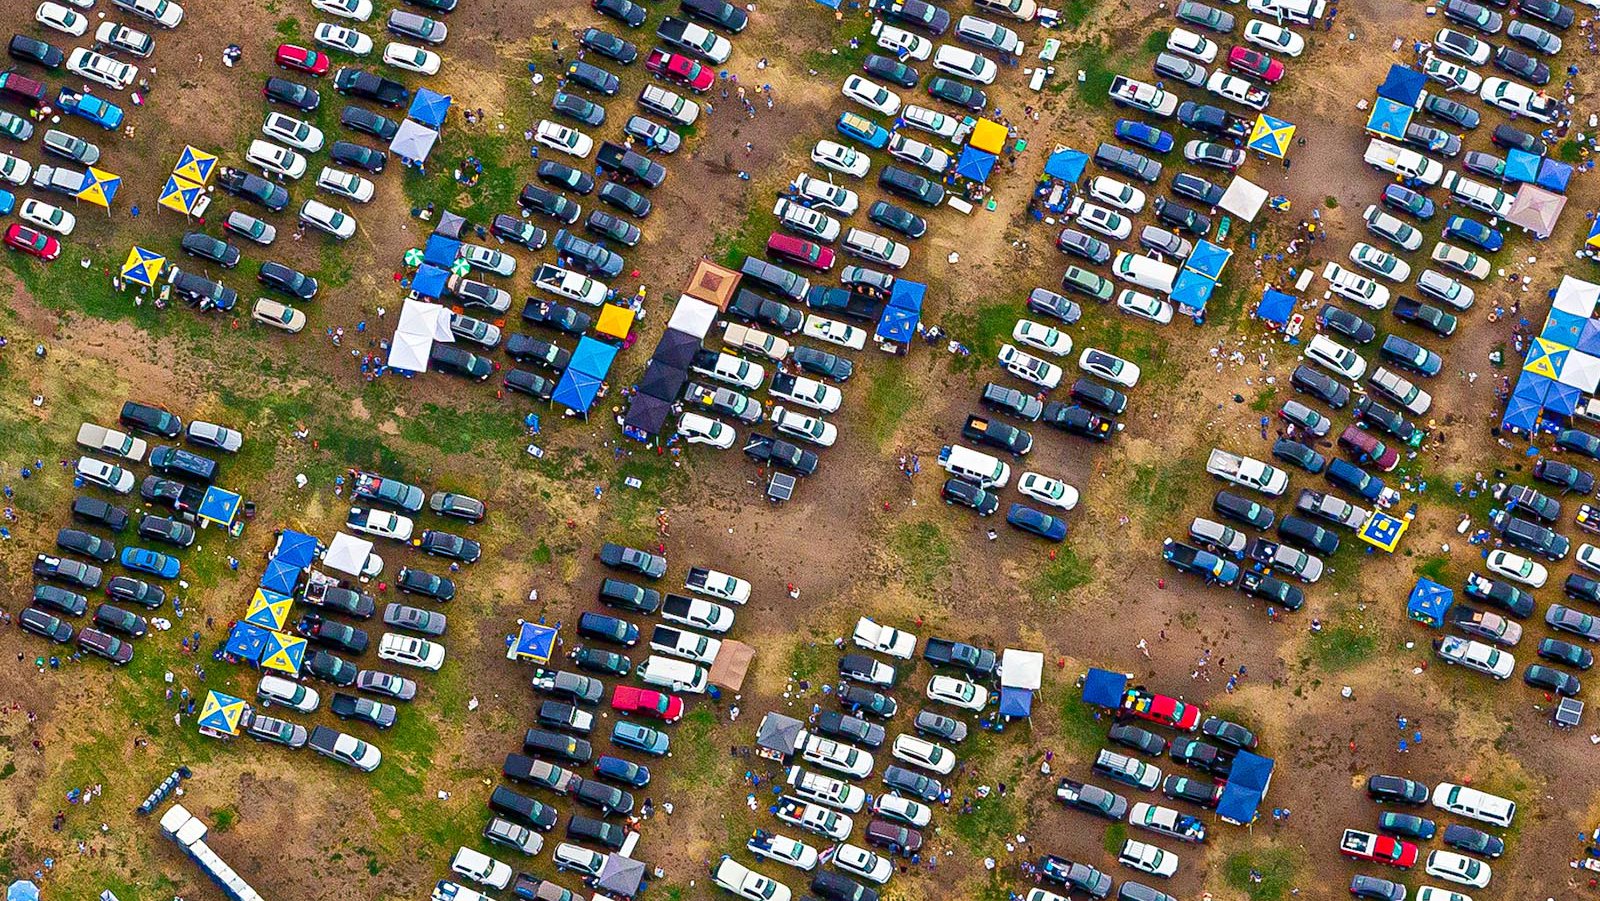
{"x":300,"y":59}
{"x":798,"y":250}
{"x":20,"y":237}
{"x":1161,"y":709}
{"x":1366,"y":448}
{"x":1378,"y":849}
{"x":664,"y":707}
{"x":1255,"y":64}
{"x":681,"y":69}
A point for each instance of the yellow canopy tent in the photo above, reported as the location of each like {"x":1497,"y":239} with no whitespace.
{"x":181,"y":194}
{"x":143,"y":267}
{"x":615,"y":321}
{"x":269,"y":610}
{"x":988,"y":135}
{"x":284,"y":653}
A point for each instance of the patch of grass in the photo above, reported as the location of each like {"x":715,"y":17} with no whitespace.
{"x":1348,"y":641}
{"x":288,"y":28}
{"x":633,"y":510}
{"x":992,"y":819}
{"x":224,"y":818}
{"x":455,"y":431}
{"x":542,"y":554}
{"x":809,"y":657}
{"x":1116,"y":835}
{"x":1263,"y":401}
{"x":1273,"y":867}
{"x":1076,"y":12}
{"x":1162,"y":489}
{"x":1435,"y":568}
{"x":1568,"y":151}
{"x":1061,"y":575}
{"x":1093,"y":60}
{"x":890,"y":394}
{"x":924,"y":554}
{"x":504,"y":158}
{"x":984,"y":330}
{"x":695,"y":747}
{"x":1331,"y":202}
{"x":1156,"y":41}
{"x":1082,"y":725}
{"x":747,"y":239}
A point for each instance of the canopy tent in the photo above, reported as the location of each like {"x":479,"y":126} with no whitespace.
{"x":1192,"y":291}
{"x":975,"y":164}
{"x":1208,"y":259}
{"x":420,"y":325}
{"x":1582,"y":371}
{"x":347,"y":554}
{"x":662,"y":381}
{"x":1536,"y":210}
{"x":1275,"y":306}
{"x":181,"y":194}
{"x":1021,"y":669}
{"x":711,"y":284}
{"x":1429,"y":602}
{"x":615,"y":321}
{"x":1389,"y":119}
{"x":1588,"y":337}
{"x":219,"y":506}
{"x":429,"y":107}
{"x":1526,"y":403}
{"x":1248,"y":780}
{"x":22,"y":890}
{"x":1383,"y":531}
{"x":580,"y":382}
{"x":988,"y":136}
{"x":620,"y":876}
{"x":1243,"y":198}
{"x":280,"y":577}
{"x":732,"y":665}
{"x":1521,"y":166}
{"x":646,"y":415}
{"x":1592,"y":241}
{"x":1563,"y":398}
{"x":296,"y":548}
{"x":594,"y":357}
{"x":1576,"y":296}
{"x":284,"y":653}
{"x":99,"y":187}
{"x":430,"y":280}
{"x":195,"y":165}
{"x":779,"y":733}
{"x":1403,"y":85}
{"x":901,"y":315}
{"x":269,"y":610}
{"x":694,"y":317}
{"x":1104,"y":688}
{"x":441,"y":250}
{"x":1546,"y":357}
{"x":451,"y":225}
{"x":1066,"y":164}
{"x":246,"y":641}
{"x":676,"y":349}
{"x":143,"y":267}
{"x":1016,"y":702}
{"x":220,"y":714}
{"x":534,"y":642}
{"x":413,"y":141}
{"x":1271,"y":135}
{"x":1562,"y":327}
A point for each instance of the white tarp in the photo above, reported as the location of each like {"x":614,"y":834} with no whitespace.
{"x":1244,"y":198}
{"x":1021,"y":669}
{"x":347,"y":554}
{"x":693,"y":316}
{"x":1576,"y":296}
{"x":421,"y":324}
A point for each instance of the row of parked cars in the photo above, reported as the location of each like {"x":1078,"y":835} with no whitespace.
{"x":1394,"y":843}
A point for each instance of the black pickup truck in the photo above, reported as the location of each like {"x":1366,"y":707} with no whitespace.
{"x":629,"y":167}
{"x":995,"y":433}
{"x":1426,"y":315}
{"x":942,"y":652}
{"x":368,"y":86}
{"x":558,"y":316}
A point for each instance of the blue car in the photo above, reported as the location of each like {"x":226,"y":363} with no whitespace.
{"x":640,"y":738}
{"x":1349,"y":476}
{"x":7,"y":202}
{"x":626,"y":772}
{"x":1147,"y":136}
{"x":1474,"y":232}
{"x":155,"y":563}
{"x":1042,"y":524}
{"x":1404,"y":200}
{"x":103,"y":113}
{"x":859,"y":128}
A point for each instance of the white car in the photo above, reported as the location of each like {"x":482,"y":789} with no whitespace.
{"x":577,"y":858}
{"x":1434,"y":893}
{"x":1043,"y":337}
{"x":1458,"y":868}
{"x":1119,"y":194}
{"x":904,"y":810}
{"x":697,"y":429}
{"x":1097,"y":218}
{"x":1515,"y":97}
{"x":1029,"y":368}
{"x":1148,"y":858}
{"x":841,"y":159}
{"x":54,"y":15}
{"x":1463,"y":46}
{"x":871,"y":95}
{"x":1195,"y":46}
{"x":297,"y":133}
{"x":1109,"y":366}
{"x":1517,"y":568}
{"x":48,"y":216}
{"x":1461,"y":260}
{"x":411,"y":651}
{"x":805,"y":221}
{"x":834,"y":332}
{"x":352,"y":751}
{"x":345,"y":184}
{"x":957,"y":693}
{"x":107,"y":475}
{"x":740,"y":880}
{"x":489,"y":260}
{"x":783,"y":849}
{"x":1454,"y":77}
{"x":96,"y":67}
{"x":964,"y":64}
{"x":931,"y":121}
{"x":825,"y":194}
{"x":359,"y":10}
{"x":858,"y":861}
{"x":876,"y":248}
{"x":110,"y":441}
{"x":807,"y":428}
{"x":338,"y":37}
{"x":559,"y":137}
{"x":324,"y":218}
{"x":1048,"y":491}
{"x":480,"y":868}
{"x":411,"y":59}
{"x":1275,"y":38}
{"x":275,"y":159}
{"x":1588,"y":557}
{"x":837,"y":756}
{"x":278,"y":315}
{"x":217,"y":437}
{"x":1380,"y":262}
{"x":807,"y":393}
{"x":914,"y":151}
{"x":1478,"y":195}
{"x":1138,"y":303}
{"x":162,"y":12}
{"x":15,"y":169}
{"x":1240,"y":91}
{"x":1356,"y":287}
{"x":1335,"y":357}
{"x":899,"y":41}
{"x":920,"y":752}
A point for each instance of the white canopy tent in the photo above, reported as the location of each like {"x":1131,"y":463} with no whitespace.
{"x":1021,"y":669}
{"x":693,"y":316}
{"x":1576,"y":296}
{"x":1244,"y":198}
{"x":348,"y":554}
{"x":421,"y":324}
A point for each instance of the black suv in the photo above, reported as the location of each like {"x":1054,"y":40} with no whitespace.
{"x":549,"y":203}
{"x":368,"y":122}
{"x":97,"y":512}
{"x":910,"y":185}
{"x":1319,"y":385}
{"x":716,"y":12}
{"x":965,"y":493}
{"x":146,"y":418}
{"x":289,"y":281}
{"x":415,"y":581}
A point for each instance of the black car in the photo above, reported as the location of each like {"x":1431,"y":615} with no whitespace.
{"x":198,"y":244}
{"x":116,"y":619}
{"x":289,"y":281}
{"x":720,"y":13}
{"x":549,"y":203}
{"x":608,"y":799}
{"x":289,"y":93}
{"x":166,"y":529}
{"x":366,"y":121}
{"x":522,"y":809}
{"x":1396,"y":789}
{"x":527,"y":349}
{"x":910,"y":185}
{"x":1048,"y":303}
{"x":518,"y":231}
{"x":1563,"y":475}
{"x":1346,"y":323}
{"x":183,"y":464}
{"x":358,"y":155}
{"x":1307,"y":535}
{"x":253,"y":188}
{"x":820,"y":362}
{"x":1100,"y":397}
{"x":564,"y":176}
{"x":31,"y":50}
{"x":958,"y":93}
{"x":629,"y":201}
{"x":860,"y":699}
{"x":1515,"y":62}
{"x":1565,"y":652}
{"x":1473,"y":840}
{"x":1212,"y":120}
{"x":1077,"y":420}
{"x":625,"y":595}
{"x":136,"y":591}
{"x":891,"y":70}
{"x":1139,"y":739}
{"x":606,"y":663}
{"x":40,"y":623}
{"x":415,"y":581}
{"x":530,"y":383}
{"x":332,"y":633}
{"x":558,"y":316}
{"x":966,"y":494}
{"x":1293,"y":452}
{"x":594,"y":78}
{"x":852,"y":729}
{"x":1196,"y":188}
{"x":916,"y":13}
{"x":1552,"y":680}
{"x":1548,"y":11}
{"x":748,"y":306}
{"x":1376,"y":888}
{"x":1176,"y":214}
{"x":1204,"y":792}
{"x":1319,"y":385}
{"x":1579,"y":442}
{"x":1090,"y":248}
{"x":609,"y":45}
{"x":611,"y":228}
{"x":608,"y":628}
{"x":1244,"y":510}
{"x":97,"y":512}
{"x":1512,"y":138}
{"x":451,"y":547}
{"x":52,"y":597}
{"x":330,"y":667}
{"x":764,"y":449}
{"x":1477,"y":17}
{"x":367,"y":86}
{"x":625,"y":11}
{"x":1377,"y":415}
{"x":897,"y":218}
{"x":1273,"y":590}
{"x":910,"y":782}
{"x":574,"y":107}
{"x":629,"y":167}
{"x":1227,"y":732}
{"x":1201,"y":755}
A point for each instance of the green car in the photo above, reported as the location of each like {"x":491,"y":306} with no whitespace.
{"x":1085,"y":282}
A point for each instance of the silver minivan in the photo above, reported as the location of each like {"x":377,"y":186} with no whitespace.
{"x":1171,"y":65}
{"x":1163,"y":241}
{"x":988,"y":35}
{"x":278,"y":690}
{"x":411,"y":25}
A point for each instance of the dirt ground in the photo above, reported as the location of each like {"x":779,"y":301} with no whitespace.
{"x":859,"y":538}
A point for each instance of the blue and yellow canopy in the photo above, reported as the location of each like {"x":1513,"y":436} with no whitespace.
{"x":221,"y":713}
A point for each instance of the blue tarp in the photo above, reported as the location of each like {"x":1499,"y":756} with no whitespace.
{"x":1104,"y":688}
{"x":430,"y":280}
{"x":1248,"y":780}
{"x":441,"y":251}
{"x":280,"y":577}
{"x":1554,"y":175}
{"x":247,"y":642}
{"x":219,"y":505}
{"x":1192,"y":290}
{"x":295,"y":549}
{"x":1521,"y":166}
{"x":1208,"y":259}
{"x":974,"y":163}
{"x":1389,"y":118}
{"x":1429,"y":602}
{"x":591,"y":362}
{"x":1403,"y":85}
{"x":1275,"y":306}
{"x":534,"y":642}
{"x":903,"y":312}
{"x":1527,"y":401}
{"x":1016,"y":702}
{"x":429,"y":107}
{"x":1066,"y":164}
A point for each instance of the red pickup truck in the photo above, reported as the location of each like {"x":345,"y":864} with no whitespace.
{"x":1378,"y":848}
{"x":681,"y":69}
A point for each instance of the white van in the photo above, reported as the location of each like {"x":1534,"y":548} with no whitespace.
{"x":673,"y":675}
{"x":291,"y":694}
{"x":446,"y":890}
{"x":480,"y":867}
{"x":1146,"y":272}
{"x":1398,"y":160}
{"x":1470,"y":802}
{"x":974,"y":466}
{"x":276,"y":160}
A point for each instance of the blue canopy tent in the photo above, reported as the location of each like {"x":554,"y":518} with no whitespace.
{"x":591,"y":362}
{"x":280,"y":577}
{"x":534,"y":641}
{"x":1016,"y":702}
{"x":1429,"y":602}
{"x":1521,"y":166}
{"x":247,"y":642}
{"x":1208,"y":259}
{"x":1275,"y":306}
{"x":1066,"y":164}
{"x":1526,"y":402}
{"x":1567,"y":328}
{"x":22,"y":890}
{"x":430,"y":280}
{"x":975,"y":164}
{"x":1192,"y":291}
{"x":441,"y":251}
{"x":1563,"y":398}
{"x":1554,"y":175}
{"x":1103,"y":688}
{"x":429,"y":107}
{"x":296,"y":549}
{"x":1389,"y":119}
{"x":1248,"y":780}
{"x":900,"y":316}
{"x":1403,"y":85}
{"x":219,"y":505}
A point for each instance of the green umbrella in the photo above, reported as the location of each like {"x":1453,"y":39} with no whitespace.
{"x":460,"y":267}
{"x":413,"y":257}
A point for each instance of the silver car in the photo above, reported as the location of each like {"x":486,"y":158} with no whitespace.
{"x":988,"y":35}
{"x":1442,"y":287}
{"x":1171,"y":65}
{"x":70,"y":146}
{"x":1215,"y":534}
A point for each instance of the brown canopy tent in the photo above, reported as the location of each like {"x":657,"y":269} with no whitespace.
{"x":732,"y":663}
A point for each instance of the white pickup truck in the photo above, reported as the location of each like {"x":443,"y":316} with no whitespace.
{"x":381,"y":523}
{"x":1397,"y":160}
{"x":884,"y":639}
{"x":691,"y":646}
{"x":815,"y":818}
{"x":722,"y":586}
{"x":1247,"y":471}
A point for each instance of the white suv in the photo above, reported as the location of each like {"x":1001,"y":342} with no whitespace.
{"x":1335,"y":357}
